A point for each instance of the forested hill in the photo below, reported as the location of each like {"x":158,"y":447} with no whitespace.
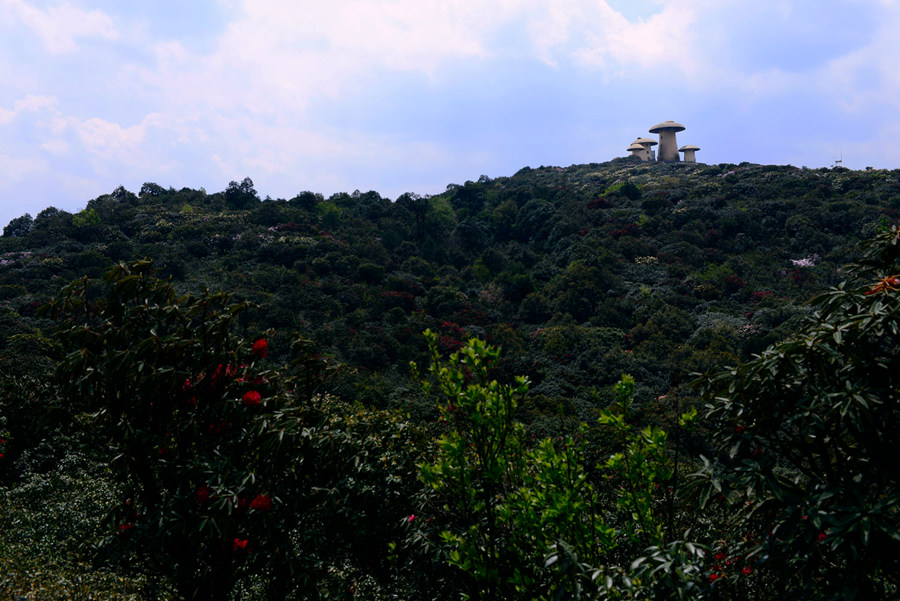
{"x":159,"y":441}
{"x":580,"y":274}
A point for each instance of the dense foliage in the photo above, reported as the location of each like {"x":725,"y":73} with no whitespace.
{"x":808,"y":441}
{"x":209,"y":448}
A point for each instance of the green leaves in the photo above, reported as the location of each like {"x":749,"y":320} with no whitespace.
{"x":201,"y":429}
{"x":507,"y":505}
{"x":806,"y":431}
{"x":642,"y":466}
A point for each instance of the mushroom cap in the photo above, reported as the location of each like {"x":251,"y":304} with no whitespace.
{"x":688,"y":147}
{"x":647,"y":141}
{"x":635,"y":146}
{"x":666,"y":125}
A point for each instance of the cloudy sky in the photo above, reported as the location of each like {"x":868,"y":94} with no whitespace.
{"x":410,"y":95}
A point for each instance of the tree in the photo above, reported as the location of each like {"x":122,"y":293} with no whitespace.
{"x":19,"y":227}
{"x":330,"y":214}
{"x":151,"y":189}
{"x":307,"y":200}
{"x":806,"y":475}
{"x":525,"y":521}
{"x":86,"y":218}
{"x":241,"y":195}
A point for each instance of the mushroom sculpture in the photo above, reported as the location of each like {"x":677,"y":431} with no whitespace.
{"x":668,"y":146}
{"x":637,"y":150}
{"x":647,"y":143}
{"x":689,"y":150}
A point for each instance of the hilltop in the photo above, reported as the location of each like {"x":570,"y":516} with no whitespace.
{"x":579,"y":273}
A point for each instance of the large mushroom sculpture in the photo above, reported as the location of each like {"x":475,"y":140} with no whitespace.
{"x":668,"y":145}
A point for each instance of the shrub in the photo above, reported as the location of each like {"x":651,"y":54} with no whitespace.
{"x":806,"y":436}
{"x":227,"y":470}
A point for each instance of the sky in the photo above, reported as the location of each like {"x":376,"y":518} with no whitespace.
{"x":411,"y":95}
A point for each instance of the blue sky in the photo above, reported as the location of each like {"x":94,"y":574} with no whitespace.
{"x":410,"y":95}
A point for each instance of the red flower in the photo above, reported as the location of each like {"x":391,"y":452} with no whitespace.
{"x":239,"y":506}
{"x":412,"y":517}
{"x":822,"y":536}
{"x":222,"y":426}
{"x":125,"y":528}
{"x":720,"y":556}
{"x":241,"y":544}
{"x":262,"y":503}
{"x":203,"y":495}
{"x":892,"y":282}
{"x":260,"y":348}
{"x":251,"y":398}
{"x":747,"y":570}
{"x":738,"y":429}
{"x":217,"y":375}
{"x":713,"y":577}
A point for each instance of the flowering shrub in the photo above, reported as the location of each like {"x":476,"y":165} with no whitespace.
{"x":598,"y":203}
{"x":806,"y":261}
{"x":803,"y":470}
{"x":630,"y":229}
{"x":649,"y":260}
{"x":732,"y":283}
{"x":159,"y":375}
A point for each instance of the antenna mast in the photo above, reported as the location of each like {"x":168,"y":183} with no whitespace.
{"x":839,"y":162}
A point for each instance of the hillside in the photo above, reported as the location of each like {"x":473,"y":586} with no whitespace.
{"x":579,"y":274}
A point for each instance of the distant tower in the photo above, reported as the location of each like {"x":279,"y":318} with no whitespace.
{"x":689,"y":150}
{"x":838,"y":162}
{"x":668,"y":146}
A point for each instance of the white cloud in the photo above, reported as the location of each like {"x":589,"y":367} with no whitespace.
{"x":868,"y":76}
{"x":107,"y":139}
{"x":593,"y":34}
{"x":55,"y":146}
{"x":59,"y":26}
{"x":15,"y":168}
{"x":117,"y":150}
{"x":31,"y":103}
{"x":276,"y":58}
{"x":403,"y":34}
